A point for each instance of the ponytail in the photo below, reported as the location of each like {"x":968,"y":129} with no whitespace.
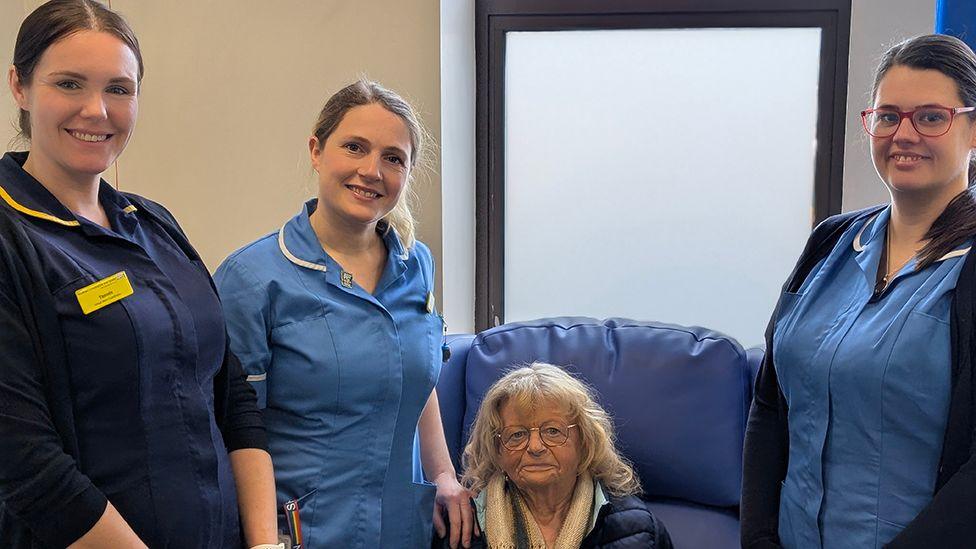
{"x":954,"y":226}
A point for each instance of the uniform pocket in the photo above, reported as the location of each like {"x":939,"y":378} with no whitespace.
{"x":303,"y":376}
{"x":304,"y":506}
{"x":103,"y":361}
{"x":887,"y":530}
{"x":915,"y":405}
{"x":423,"y":505}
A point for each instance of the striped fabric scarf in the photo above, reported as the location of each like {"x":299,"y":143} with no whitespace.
{"x":509,"y":523}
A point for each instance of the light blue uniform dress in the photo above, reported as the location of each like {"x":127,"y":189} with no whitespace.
{"x":867,"y":380}
{"x":343,"y":376}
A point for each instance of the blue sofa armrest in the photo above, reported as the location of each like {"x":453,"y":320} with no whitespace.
{"x":451,"y":395}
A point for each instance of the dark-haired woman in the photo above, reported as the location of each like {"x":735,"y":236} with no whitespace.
{"x":861,"y":431}
{"x":124,"y":420}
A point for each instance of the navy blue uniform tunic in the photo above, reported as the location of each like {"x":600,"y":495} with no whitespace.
{"x":141,"y":369}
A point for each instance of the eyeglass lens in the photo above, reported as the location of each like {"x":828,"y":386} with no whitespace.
{"x":517,"y":436}
{"x":931,"y":122}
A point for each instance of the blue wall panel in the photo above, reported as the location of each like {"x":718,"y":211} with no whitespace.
{"x":958,"y":18}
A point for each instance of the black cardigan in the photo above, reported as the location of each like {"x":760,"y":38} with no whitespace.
{"x":949,"y":520}
{"x":44,"y":499}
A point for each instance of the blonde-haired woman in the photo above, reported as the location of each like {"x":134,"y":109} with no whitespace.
{"x":333,"y":318}
{"x":542,"y":460}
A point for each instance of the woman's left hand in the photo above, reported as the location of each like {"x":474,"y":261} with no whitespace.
{"x":454,"y":501}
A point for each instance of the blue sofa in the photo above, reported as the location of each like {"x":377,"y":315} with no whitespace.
{"x":679,"y":397}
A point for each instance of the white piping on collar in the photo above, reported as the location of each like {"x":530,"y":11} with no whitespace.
{"x":291,"y":257}
{"x":406,"y":252}
{"x":955,"y":253}
{"x":857,"y":239}
{"x":858,"y":246}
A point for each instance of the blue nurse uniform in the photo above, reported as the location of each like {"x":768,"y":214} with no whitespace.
{"x":867,"y":379}
{"x":343,"y":376}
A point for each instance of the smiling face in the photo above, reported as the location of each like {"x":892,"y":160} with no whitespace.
{"x":363,"y":165}
{"x":911,"y":164}
{"x":538,"y":468}
{"x":82,"y":103}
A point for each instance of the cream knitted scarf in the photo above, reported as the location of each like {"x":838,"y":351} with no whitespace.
{"x":509,"y":523}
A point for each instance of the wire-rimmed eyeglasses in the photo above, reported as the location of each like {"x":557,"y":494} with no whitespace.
{"x":551,"y":434}
{"x":931,"y":121}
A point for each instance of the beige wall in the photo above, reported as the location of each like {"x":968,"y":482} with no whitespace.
{"x":875,"y":26}
{"x":232,"y":88}
{"x":11,"y":13}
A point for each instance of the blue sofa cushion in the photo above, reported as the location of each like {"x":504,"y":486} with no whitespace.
{"x":678,"y":395}
{"x":695,"y":526}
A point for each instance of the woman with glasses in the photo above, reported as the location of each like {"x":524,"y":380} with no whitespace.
{"x":542,"y":461}
{"x":861,"y":430}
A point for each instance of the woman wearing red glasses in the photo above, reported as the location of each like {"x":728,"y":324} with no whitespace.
{"x":861,"y":431}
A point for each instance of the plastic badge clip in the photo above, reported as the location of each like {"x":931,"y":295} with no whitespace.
{"x":445,"y":348}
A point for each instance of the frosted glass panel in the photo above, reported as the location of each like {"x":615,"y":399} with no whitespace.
{"x":658,"y":174}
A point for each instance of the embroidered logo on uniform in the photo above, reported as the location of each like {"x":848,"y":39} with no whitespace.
{"x":346,"y":279}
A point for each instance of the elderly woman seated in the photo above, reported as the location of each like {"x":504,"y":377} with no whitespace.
{"x":542,"y":462}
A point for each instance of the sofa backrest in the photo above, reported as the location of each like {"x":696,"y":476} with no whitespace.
{"x":679,"y":396}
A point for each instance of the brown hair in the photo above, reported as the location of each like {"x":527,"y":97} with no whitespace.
{"x":58,"y":19}
{"x":366,"y":92}
{"x":953,"y":58}
{"x":541,"y":383}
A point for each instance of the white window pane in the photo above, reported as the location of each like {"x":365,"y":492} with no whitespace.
{"x":658,"y":174}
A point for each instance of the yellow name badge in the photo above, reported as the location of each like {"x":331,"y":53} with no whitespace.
{"x":104,"y":292}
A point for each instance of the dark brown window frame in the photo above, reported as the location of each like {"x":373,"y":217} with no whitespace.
{"x":494,"y":18}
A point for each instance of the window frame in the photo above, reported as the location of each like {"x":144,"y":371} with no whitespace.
{"x":494,"y":18}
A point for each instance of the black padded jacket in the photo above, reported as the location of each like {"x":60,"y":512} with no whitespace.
{"x":623,"y":523}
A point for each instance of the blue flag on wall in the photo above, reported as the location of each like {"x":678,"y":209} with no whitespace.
{"x":957,"y":18}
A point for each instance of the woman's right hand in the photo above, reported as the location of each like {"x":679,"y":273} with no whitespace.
{"x":454,"y":501}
